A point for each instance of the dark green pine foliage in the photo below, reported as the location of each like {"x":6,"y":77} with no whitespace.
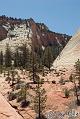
{"x":40,"y":99}
{"x":8,"y":57}
{"x":1,"y":61}
{"x":33,"y":66}
{"x":21,"y":57}
{"x":40,"y":59}
{"x":25,"y":56}
{"x":77,"y":67}
{"x":22,"y":93}
{"x":76,"y":78}
{"x":1,"y":58}
{"x":48,"y":57}
{"x":17,"y":58}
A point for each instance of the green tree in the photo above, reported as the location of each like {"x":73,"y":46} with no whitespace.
{"x":48,"y":57}
{"x":8,"y":57}
{"x":75,"y":77}
{"x":1,"y":58}
{"x":1,"y":61}
{"x":22,"y":95}
{"x":33,"y":66}
{"x":12,"y":77}
{"x":16,"y":58}
{"x":25,"y":56}
{"x":77,"y":68}
{"x":40,"y":99}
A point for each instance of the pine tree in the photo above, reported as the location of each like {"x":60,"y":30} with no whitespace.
{"x":48,"y":57}
{"x":1,"y":58}
{"x":33,"y":66}
{"x":76,"y":90}
{"x":25,"y":56}
{"x":77,"y":67}
{"x":8,"y":58}
{"x":22,"y":96}
{"x":1,"y":61}
{"x":39,"y":100}
{"x":12,"y":77}
{"x":39,"y":52}
{"x":76,"y":77}
{"x":22,"y":93}
{"x":16,"y":58}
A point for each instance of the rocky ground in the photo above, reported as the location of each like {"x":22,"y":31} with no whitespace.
{"x":56,"y":100}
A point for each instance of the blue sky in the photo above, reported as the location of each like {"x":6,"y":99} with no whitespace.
{"x":59,"y":15}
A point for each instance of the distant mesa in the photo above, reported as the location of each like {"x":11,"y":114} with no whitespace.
{"x":16,"y":32}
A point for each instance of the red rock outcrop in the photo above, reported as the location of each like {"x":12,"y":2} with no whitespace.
{"x":3,"y":33}
{"x":42,"y":34}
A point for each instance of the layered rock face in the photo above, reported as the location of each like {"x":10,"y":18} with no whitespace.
{"x":16,"y":32}
{"x":70,"y":54}
{"x":3,"y":33}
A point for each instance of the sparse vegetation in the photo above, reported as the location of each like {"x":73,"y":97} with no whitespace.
{"x":54,"y":82}
{"x":66,"y":92}
{"x":8,"y":58}
{"x":33,"y":64}
{"x":71,"y":78}
{"x":39,"y":100}
{"x":62,"y":82}
{"x":12,"y":96}
{"x":48,"y":57}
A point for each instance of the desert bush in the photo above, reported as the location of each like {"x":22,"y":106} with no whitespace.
{"x":19,"y":98}
{"x":62,"y":82}
{"x":54,"y":82}
{"x":66,"y":92}
{"x":71,"y":78}
{"x":57,"y":74}
{"x":41,"y":81}
{"x":22,"y":93}
{"x":17,"y":86}
{"x":8,"y":79}
{"x":24,"y":103}
{"x":12,"y":96}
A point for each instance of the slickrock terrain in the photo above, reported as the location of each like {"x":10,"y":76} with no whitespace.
{"x":70,"y":54}
{"x":6,"y":111}
{"x":19,"y":83}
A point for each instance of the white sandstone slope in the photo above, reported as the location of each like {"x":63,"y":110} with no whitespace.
{"x":21,"y":35}
{"x":70,"y":54}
